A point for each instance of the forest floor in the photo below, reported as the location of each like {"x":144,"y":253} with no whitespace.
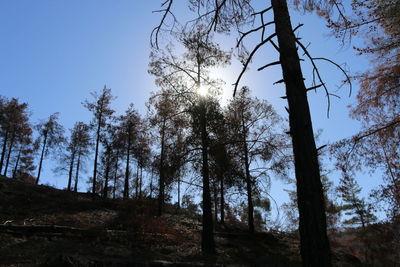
{"x":43,"y":226}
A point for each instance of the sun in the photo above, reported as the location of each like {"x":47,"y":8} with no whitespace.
{"x":202,"y":90}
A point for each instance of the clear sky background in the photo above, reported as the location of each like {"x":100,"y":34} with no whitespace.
{"x":53,"y":53}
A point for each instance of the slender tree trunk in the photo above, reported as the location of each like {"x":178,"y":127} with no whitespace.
{"x":3,"y":151}
{"x":77,"y":172}
{"x":41,"y":158}
{"x":151,"y":184}
{"x":207,"y":236}
{"x":107,"y":172}
{"x":128,"y":150}
{"x":315,"y":249}
{"x":140,"y":182}
{"x":115,"y":174}
{"x":161,"y":171}
{"x":9,"y":154}
{"x":96,"y":155}
{"x":222,"y":208}
{"x":16,"y":164}
{"x":249,"y":189}
{"x":215,"y":192}
{"x":71,"y":168}
{"x":137,"y":181}
{"x":179,"y":191}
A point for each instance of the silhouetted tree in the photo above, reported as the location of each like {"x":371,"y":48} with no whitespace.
{"x":221,"y":17}
{"x":51,"y":136}
{"x":188,"y":78}
{"x":130,"y":128}
{"x":100,"y":107}
{"x":14,"y":127}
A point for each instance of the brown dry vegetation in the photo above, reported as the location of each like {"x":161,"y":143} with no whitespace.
{"x":43,"y":226}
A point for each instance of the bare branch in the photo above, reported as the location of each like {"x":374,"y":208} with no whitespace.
{"x":249,"y":60}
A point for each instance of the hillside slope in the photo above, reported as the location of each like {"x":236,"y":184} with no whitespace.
{"x":43,"y":226}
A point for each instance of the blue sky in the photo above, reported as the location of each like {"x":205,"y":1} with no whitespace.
{"x":53,"y":53}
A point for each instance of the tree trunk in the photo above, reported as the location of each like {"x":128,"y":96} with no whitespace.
{"x":71,"y":168}
{"x":3,"y":151}
{"x":249,"y":189}
{"x":41,"y":158}
{"x":106,"y":175}
{"x":16,"y":164}
{"x":137,"y":181}
{"x":315,"y":250}
{"x":9,"y":154}
{"x":140,"y":182}
{"x":115,"y":174}
{"x":161,"y":171}
{"x":215,"y":193}
{"x":179,"y":191}
{"x":77,"y":172}
{"x":222,"y":208}
{"x":207,"y":237}
{"x":128,"y":150}
{"x":96,"y":155}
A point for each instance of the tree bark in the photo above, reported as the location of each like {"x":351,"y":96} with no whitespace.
{"x":315,"y":249}
{"x":71,"y":168}
{"x":222,"y":200}
{"x":207,"y":236}
{"x":96,"y":155}
{"x":128,"y":150}
{"x":77,"y":172}
{"x":161,"y":171}
{"x":107,"y":172}
{"x":16,"y":163}
{"x":250,"y":206}
{"x":9,"y":154}
{"x":3,"y":151}
{"x":41,"y":158}
{"x":115,"y":174}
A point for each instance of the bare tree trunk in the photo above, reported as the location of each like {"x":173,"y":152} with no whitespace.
{"x":71,"y":168}
{"x":161,"y":171}
{"x":77,"y":172}
{"x":115,"y":174}
{"x":140,"y":182}
{"x":179,"y":191}
{"x":215,"y":193}
{"x":137,"y":181}
{"x":16,"y":164}
{"x":9,"y":154}
{"x":96,"y":155}
{"x":128,"y":150}
{"x":207,"y":236}
{"x":3,"y":151}
{"x":107,"y":172}
{"x":41,"y":158}
{"x":315,"y":249}
{"x":222,"y":200}
{"x":250,"y":206}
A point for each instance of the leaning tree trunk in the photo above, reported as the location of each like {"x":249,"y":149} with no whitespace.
{"x":9,"y":154}
{"x":207,"y":236}
{"x":41,"y":158}
{"x":314,"y":243}
{"x":16,"y":164}
{"x":3,"y":151}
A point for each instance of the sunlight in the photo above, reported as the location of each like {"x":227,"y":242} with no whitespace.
{"x":202,"y":90}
